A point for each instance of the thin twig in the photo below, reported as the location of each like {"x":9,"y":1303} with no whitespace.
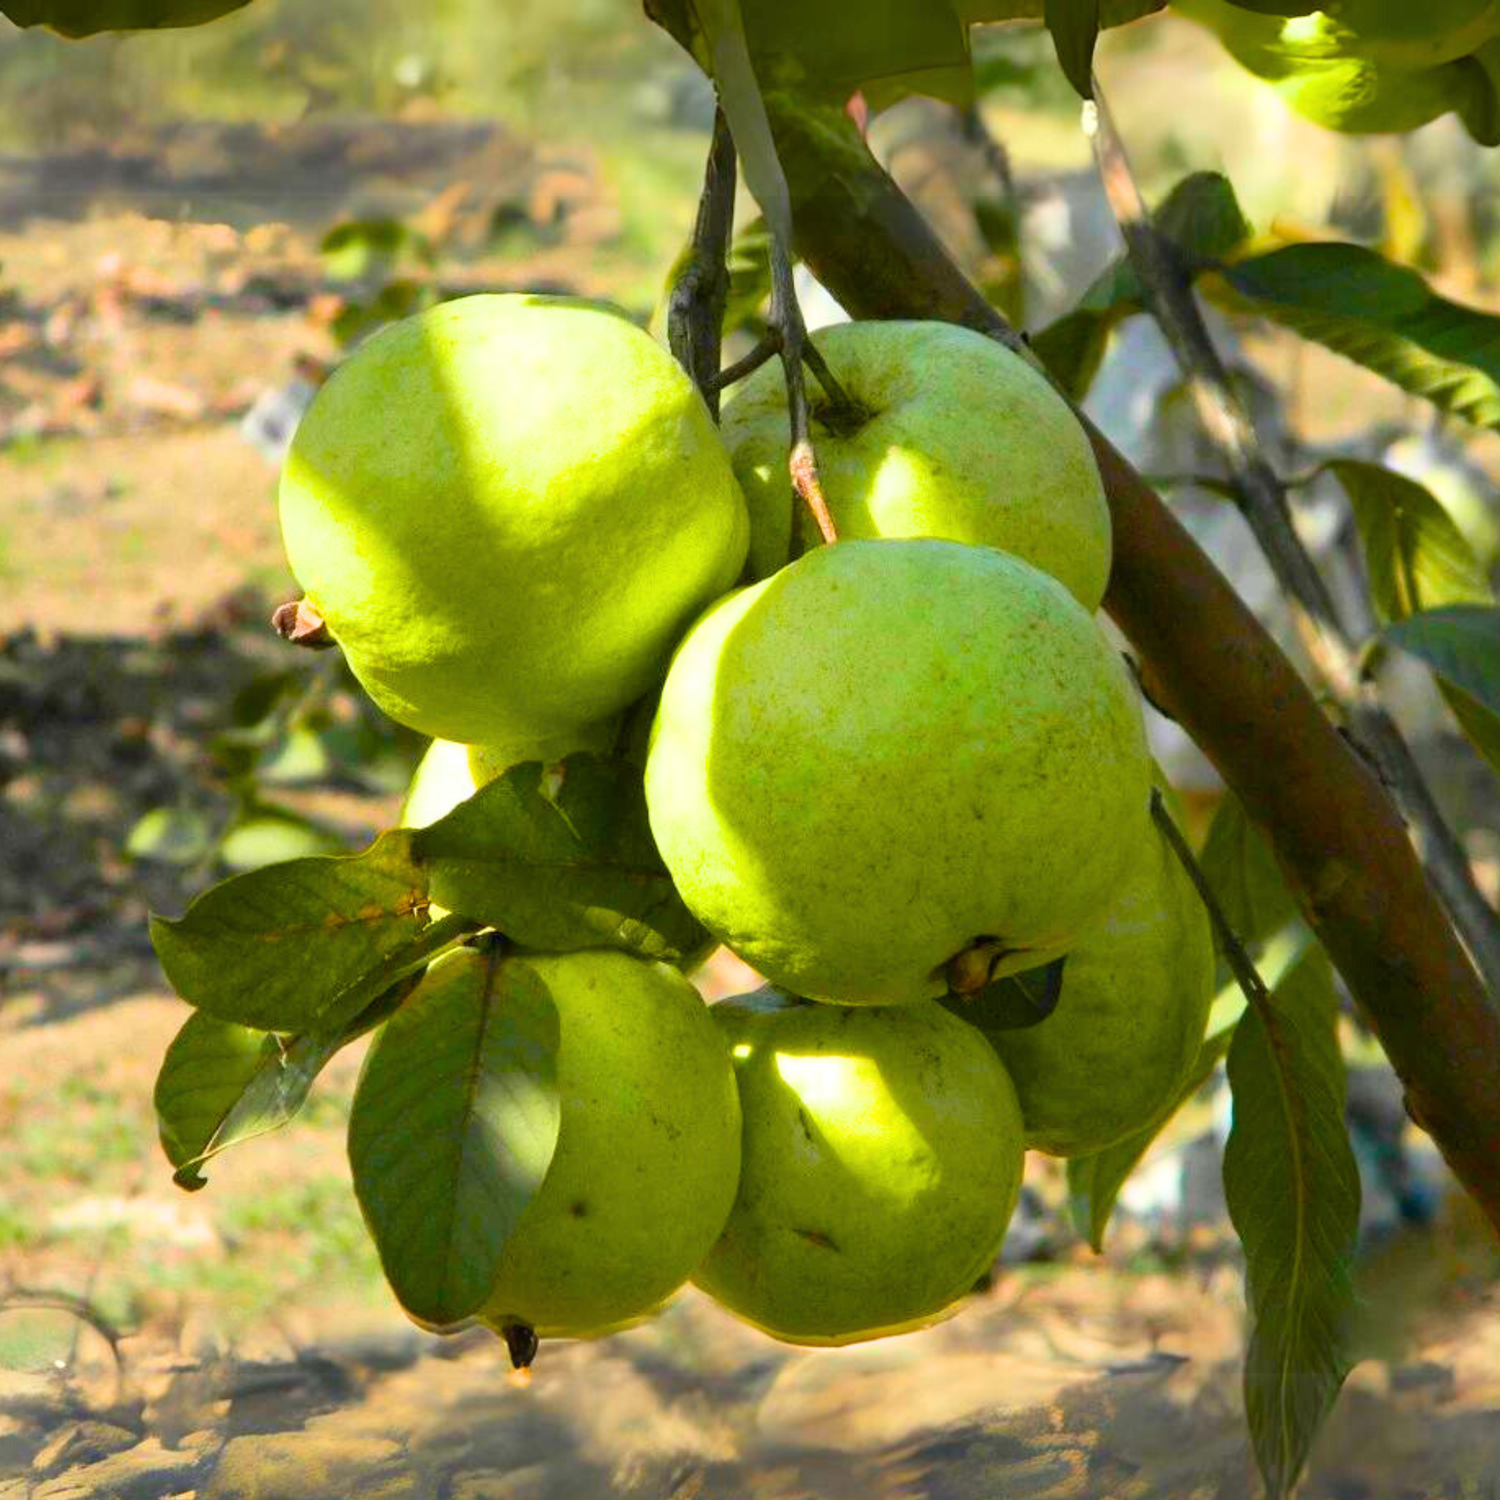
{"x":1262,"y":500}
{"x":1241,"y":965}
{"x":695,"y":313}
{"x":767,"y":349}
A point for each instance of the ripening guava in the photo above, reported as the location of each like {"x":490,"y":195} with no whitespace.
{"x":507,"y":508}
{"x":882,"y":1159}
{"x":1327,"y":73}
{"x":648,"y":1146}
{"x":889,"y":752}
{"x":1136,"y":991}
{"x":79,"y":18}
{"x":956,"y":437}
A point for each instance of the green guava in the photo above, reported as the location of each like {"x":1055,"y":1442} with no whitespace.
{"x":1136,"y":991}
{"x":882,"y":1159}
{"x":1415,"y":33}
{"x":1326,"y":73}
{"x":957,"y":438}
{"x":450,"y":773}
{"x":648,"y":1146}
{"x":889,"y":752}
{"x":507,"y":509}
{"x":79,"y":18}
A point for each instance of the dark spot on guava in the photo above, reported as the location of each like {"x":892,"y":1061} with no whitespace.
{"x":818,"y":1238}
{"x":578,"y":1208}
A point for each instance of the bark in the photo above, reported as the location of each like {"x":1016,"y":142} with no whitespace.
{"x":1205,"y":657}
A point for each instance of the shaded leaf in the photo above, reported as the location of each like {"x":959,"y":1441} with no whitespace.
{"x":453,"y":1128}
{"x":1244,"y":876}
{"x":1094,"y":1182}
{"x":560,"y":858}
{"x":1012,"y":1002}
{"x":1461,"y":643}
{"x":1415,"y":555}
{"x":1074,"y":25}
{"x":301,"y":946}
{"x":1203,"y":218}
{"x":1293,"y":1191}
{"x":80,"y":18}
{"x":221,"y":1083}
{"x":1383,"y":316}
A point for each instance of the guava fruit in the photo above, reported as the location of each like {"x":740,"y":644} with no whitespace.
{"x":955,"y":437}
{"x":506,"y":509}
{"x":80,"y":18}
{"x":1136,"y":991}
{"x":450,"y":773}
{"x":1322,"y":69}
{"x":882,"y":1159}
{"x":890,"y":752}
{"x":1407,"y":34}
{"x":648,"y":1145}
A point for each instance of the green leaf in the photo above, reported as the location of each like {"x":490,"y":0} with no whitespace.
{"x":1461,"y":643}
{"x":301,"y":946}
{"x":560,"y":858}
{"x":1245,"y":878}
{"x":1292,"y":1188}
{"x":1382,"y":316}
{"x":221,"y":1083}
{"x":1415,"y":555}
{"x":1012,"y":1002}
{"x":1203,"y":218}
{"x":453,"y":1128}
{"x":1111,"y":12}
{"x":1094,"y":1182}
{"x":1074,"y":25}
{"x":80,"y":18}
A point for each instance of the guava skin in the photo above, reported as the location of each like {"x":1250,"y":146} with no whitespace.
{"x":80,"y":18}
{"x":882,"y":1160}
{"x":888,"y":751}
{"x":507,"y":508}
{"x":1136,"y":992}
{"x":1366,"y":68}
{"x":962,"y":440}
{"x":648,"y":1148}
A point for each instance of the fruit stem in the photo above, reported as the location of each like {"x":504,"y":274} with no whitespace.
{"x":298,"y":622}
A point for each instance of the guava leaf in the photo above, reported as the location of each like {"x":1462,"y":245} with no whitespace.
{"x":560,"y":859}
{"x":1111,"y":12}
{"x":1203,"y":218}
{"x":1012,"y":1002}
{"x":221,"y":1083}
{"x":1293,"y":1191}
{"x":174,"y":835}
{"x":1074,"y":25}
{"x":453,"y":1128}
{"x":1415,"y":555}
{"x":1245,"y":878}
{"x":300,"y":946}
{"x":1094,"y":1182}
{"x":1461,"y":643}
{"x":264,"y":834}
{"x":1382,"y":316}
{"x":1419,"y":561}
{"x":81,"y":18}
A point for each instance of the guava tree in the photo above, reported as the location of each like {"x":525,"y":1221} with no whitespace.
{"x":1317,"y":850}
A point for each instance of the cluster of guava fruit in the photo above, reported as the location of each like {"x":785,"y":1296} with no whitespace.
{"x":887,"y":773}
{"x":1370,"y":66}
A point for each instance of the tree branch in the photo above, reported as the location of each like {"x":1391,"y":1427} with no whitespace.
{"x":1340,"y":841}
{"x":1262,"y":500}
{"x":695,"y":313}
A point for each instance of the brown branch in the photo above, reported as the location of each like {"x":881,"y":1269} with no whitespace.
{"x":695,"y":313}
{"x":1262,"y":500}
{"x":1339,"y":839}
